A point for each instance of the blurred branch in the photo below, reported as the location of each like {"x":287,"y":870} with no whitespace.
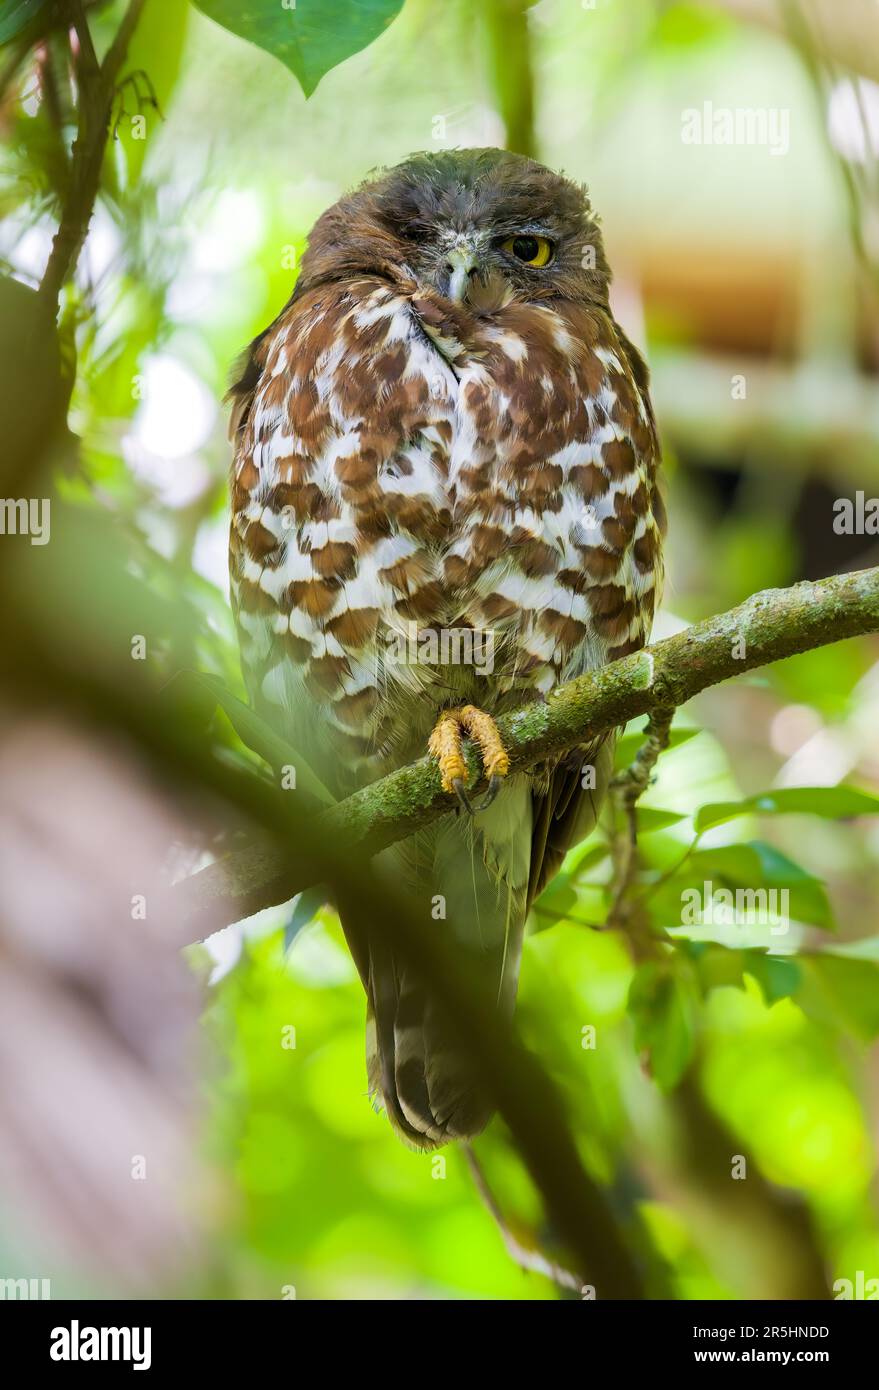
{"x":783,"y":1257}
{"x":96,"y":92}
{"x":846,"y":32}
{"x":769,"y":626}
{"x":533,"y":1261}
{"x":783,"y":414}
{"x":512,"y":76}
{"x":807,"y":30}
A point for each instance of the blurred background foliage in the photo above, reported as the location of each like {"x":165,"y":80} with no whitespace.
{"x":733,"y":264}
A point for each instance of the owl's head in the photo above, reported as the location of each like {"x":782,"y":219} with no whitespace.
{"x":481,"y":227}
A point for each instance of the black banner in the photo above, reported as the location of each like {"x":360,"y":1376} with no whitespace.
{"x":158,"y":1338}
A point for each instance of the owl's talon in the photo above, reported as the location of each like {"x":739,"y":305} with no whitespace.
{"x":446,"y":745}
{"x":494,"y":786}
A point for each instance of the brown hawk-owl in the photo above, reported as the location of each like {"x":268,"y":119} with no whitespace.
{"x":445,"y":502}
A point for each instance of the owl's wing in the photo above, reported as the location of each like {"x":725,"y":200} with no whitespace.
{"x":342,"y":422}
{"x":567,"y":811}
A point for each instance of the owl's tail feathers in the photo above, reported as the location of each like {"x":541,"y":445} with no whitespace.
{"x":419,"y":1075}
{"x":475,"y":892}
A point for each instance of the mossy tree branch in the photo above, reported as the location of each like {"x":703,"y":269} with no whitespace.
{"x":768,"y":627}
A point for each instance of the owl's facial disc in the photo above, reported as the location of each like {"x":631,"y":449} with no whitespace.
{"x":484,"y":228}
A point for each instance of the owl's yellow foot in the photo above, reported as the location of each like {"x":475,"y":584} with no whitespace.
{"x":447,"y":746}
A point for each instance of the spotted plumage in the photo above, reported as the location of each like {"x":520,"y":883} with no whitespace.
{"x":444,"y":434}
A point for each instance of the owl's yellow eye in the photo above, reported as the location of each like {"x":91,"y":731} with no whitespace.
{"x":530,"y":250}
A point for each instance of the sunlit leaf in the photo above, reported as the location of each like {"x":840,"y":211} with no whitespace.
{"x":844,"y":991}
{"x":774,"y":892}
{"x":689,"y":26}
{"x":259,"y":735}
{"x":832,"y":803}
{"x":651,"y":818}
{"x":758,"y":865}
{"x":628,"y":745}
{"x":585,"y":857}
{"x":154,"y":58}
{"x":555,"y":903}
{"x":306,"y":907}
{"x":717,"y":965}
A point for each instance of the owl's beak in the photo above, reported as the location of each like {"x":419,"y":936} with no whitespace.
{"x":462,"y":265}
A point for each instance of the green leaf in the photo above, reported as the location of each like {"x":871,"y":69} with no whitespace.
{"x":585,"y":857}
{"x":555,"y":903}
{"x":628,"y":745}
{"x":662,"y":1009}
{"x":752,"y":867}
{"x":309,"y":37}
{"x":757,"y":864}
{"x":779,"y":977}
{"x":566,"y":898}
{"x":832,"y":803}
{"x":841,"y":991}
{"x":306,"y":908}
{"x":259,"y":735}
{"x":651,"y":818}
{"x":156,"y":50}
{"x":15,"y":15}
{"x":583,"y":906}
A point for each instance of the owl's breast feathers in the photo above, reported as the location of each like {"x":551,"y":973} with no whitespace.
{"x":404,"y":467}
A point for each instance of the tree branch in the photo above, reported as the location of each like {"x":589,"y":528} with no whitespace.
{"x":508,"y":45}
{"x":96,"y":91}
{"x":769,"y":626}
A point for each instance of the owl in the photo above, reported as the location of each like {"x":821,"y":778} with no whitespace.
{"x":445,"y":502}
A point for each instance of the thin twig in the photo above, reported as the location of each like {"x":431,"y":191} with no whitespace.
{"x":626,"y":789}
{"x":529,"y":1259}
{"x":96,"y":89}
{"x":88,"y":69}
